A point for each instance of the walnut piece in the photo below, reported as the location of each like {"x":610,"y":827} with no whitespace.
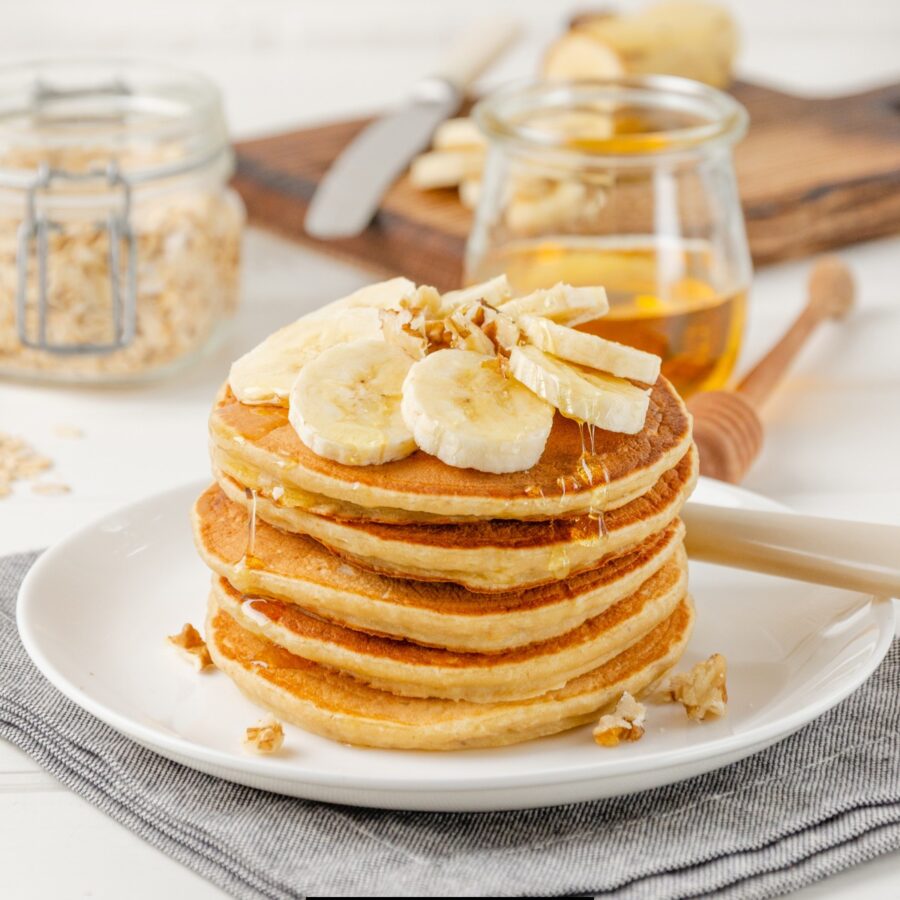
{"x":702,"y":691}
{"x":625,"y":723}
{"x":192,"y":647}
{"x":267,"y":737}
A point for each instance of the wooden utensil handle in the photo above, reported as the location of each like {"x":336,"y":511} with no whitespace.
{"x":758,"y":384}
{"x":858,"y":556}
{"x":831,"y":293}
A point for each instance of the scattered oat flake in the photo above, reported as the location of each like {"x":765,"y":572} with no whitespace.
{"x":50,"y":488}
{"x":68,"y":431}
{"x":192,"y":647}
{"x":702,"y":691}
{"x":19,"y":461}
{"x":625,"y":723}
{"x":267,"y":737}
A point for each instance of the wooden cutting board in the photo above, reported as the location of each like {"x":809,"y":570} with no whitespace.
{"x":813,"y":174}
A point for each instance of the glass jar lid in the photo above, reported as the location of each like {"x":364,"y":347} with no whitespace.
{"x":78,"y":118}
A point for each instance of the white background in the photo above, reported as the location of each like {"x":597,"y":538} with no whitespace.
{"x":833,"y":430}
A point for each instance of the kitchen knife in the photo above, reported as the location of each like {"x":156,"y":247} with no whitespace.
{"x":351,"y":190}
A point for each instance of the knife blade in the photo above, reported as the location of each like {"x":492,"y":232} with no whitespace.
{"x":349,"y":194}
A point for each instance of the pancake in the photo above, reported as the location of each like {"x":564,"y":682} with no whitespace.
{"x":340,"y":707}
{"x":494,"y":555}
{"x":408,"y":669}
{"x":297,"y":569}
{"x":257,"y":447}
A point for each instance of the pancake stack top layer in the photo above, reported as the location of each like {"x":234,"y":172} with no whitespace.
{"x":414,"y":601}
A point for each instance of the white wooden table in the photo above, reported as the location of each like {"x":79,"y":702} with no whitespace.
{"x":833,"y":430}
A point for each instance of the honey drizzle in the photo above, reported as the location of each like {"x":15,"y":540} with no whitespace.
{"x":251,"y":560}
{"x":586,"y":464}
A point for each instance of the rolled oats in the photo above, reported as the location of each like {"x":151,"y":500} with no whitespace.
{"x":19,"y":461}
{"x":188,"y":251}
{"x":50,"y":488}
{"x":68,"y":431}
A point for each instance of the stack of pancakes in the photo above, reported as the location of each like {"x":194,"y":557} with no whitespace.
{"x":417,"y":605}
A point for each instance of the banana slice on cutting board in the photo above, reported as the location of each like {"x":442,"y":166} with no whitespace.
{"x":267,"y":373}
{"x":462,"y":409}
{"x":563,"y":304}
{"x":578,"y":393}
{"x":590,"y":350}
{"x":345,"y":404}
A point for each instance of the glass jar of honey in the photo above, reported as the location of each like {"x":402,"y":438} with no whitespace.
{"x":627,"y":184}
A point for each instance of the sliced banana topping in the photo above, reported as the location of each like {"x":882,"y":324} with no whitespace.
{"x":267,"y":373}
{"x":471,"y":377}
{"x":493,"y":292}
{"x":462,"y":409}
{"x":590,"y":350}
{"x":345,"y":404}
{"x":580,"y":393}
{"x":405,"y":328}
{"x":381,"y":295}
{"x":562,"y":303}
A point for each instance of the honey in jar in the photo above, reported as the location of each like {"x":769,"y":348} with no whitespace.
{"x":629,"y":185}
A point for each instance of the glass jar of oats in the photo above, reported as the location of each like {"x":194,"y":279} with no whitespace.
{"x":119,"y":237}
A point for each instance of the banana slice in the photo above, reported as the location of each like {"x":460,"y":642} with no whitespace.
{"x":562,"y":303}
{"x":446,"y":168}
{"x":381,"y":295}
{"x":454,"y":133}
{"x":590,"y":350}
{"x":267,"y":373}
{"x":463,"y":410}
{"x":578,"y":393}
{"x":494,"y":292}
{"x":470,"y":192}
{"x":345,"y":404}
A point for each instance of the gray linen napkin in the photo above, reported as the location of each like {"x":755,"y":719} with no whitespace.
{"x":824,"y":799}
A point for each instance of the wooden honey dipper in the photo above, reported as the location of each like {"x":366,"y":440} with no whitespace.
{"x":727,"y":426}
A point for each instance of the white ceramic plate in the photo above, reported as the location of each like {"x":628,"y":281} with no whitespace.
{"x":94,"y":612}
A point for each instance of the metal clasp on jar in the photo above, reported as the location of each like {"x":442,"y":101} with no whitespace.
{"x":34,"y":232}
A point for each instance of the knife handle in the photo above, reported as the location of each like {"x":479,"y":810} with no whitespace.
{"x":476,"y":49}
